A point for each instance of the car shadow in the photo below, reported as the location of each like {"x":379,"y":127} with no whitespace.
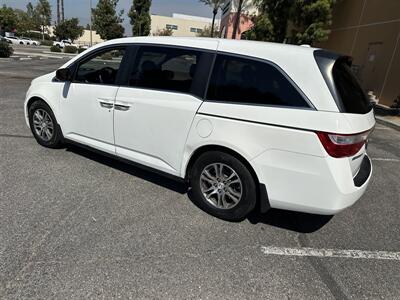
{"x":289,"y":220}
{"x":169,"y":183}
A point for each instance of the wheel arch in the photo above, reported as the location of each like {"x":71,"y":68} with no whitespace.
{"x":262,"y":195}
{"x":33,"y":99}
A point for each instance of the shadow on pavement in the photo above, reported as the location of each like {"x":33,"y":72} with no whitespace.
{"x":128,"y":168}
{"x":290,"y":220}
{"x":294,"y":221}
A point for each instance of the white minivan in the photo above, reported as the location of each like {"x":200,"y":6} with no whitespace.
{"x":249,"y":125}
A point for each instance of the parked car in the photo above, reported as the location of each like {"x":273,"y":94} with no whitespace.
{"x":14,"y":40}
{"x":29,"y":41}
{"x":61,"y":44}
{"x":247,"y":124}
{"x":2,"y":39}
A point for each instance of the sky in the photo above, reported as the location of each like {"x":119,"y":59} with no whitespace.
{"x":80,"y":8}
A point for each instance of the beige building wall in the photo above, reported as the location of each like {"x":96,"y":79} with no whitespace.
{"x":182,"y":26}
{"x":369,"y":31}
{"x":84,"y":40}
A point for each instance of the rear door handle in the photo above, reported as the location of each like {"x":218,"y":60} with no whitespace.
{"x":106,"y":104}
{"x":121,"y":107}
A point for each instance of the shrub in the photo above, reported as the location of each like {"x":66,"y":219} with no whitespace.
{"x":80,"y":50}
{"x":46,"y":43}
{"x":5,"y":49}
{"x":70,"y":49}
{"x":55,"y":49}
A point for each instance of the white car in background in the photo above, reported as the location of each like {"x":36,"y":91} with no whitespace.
{"x":14,"y":40}
{"x":29,"y":41}
{"x":61,"y":44}
{"x":246,"y":124}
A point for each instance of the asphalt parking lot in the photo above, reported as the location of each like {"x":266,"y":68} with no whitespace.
{"x":74,"y":224}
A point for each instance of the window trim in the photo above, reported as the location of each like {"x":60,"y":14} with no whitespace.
{"x":272,"y":64}
{"x":75,"y":65}
{"x":325,"y":61}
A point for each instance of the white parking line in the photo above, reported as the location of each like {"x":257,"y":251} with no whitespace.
{"x":330,"y":253}
{"x":383,"y":128}
{"x":386,"y":159}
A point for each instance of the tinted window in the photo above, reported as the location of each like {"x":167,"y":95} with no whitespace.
{"x":100,"y":69}
{"x":353,"y":97}
{"x":165,"y":69}
{"x":248,"y":81}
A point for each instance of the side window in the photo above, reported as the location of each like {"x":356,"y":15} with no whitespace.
{"x":244,"y":80}
{"x":100,"y":69}
{"x":164,"y":69}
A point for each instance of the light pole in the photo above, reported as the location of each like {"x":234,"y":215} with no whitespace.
{"x":91,"y":38}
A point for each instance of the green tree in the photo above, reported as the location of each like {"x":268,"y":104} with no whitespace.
{"x":308,"y":18}
{"x":272,"y":22}
{"x":33,"y":16}
{"x":311,"y":19}
{"x":106,"y":21}
{"x":24,"y":23}
{"x":69,"y":29}
{"x":8,"y":19}
{"x":262,"y":29}
{"x":43,"y":13}
{"x":208,"y":31}
{"x":140,"y":17}
{"x":215,"y":5}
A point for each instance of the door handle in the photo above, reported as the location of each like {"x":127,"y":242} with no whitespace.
{"x":106,"y":105}
{"x":121,"y":107}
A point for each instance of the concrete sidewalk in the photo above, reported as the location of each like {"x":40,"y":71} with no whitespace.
{"x":390,"y":121}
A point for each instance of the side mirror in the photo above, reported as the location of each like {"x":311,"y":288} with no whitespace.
{"x":64,"y":75}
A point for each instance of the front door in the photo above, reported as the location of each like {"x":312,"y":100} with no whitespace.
{"x":153,"y":115}
{"x":87,"y":102}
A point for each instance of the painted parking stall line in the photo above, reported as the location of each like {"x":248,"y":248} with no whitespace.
{"x":269,"y":250}
{"x":386,"y":159}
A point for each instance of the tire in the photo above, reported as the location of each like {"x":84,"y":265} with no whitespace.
{"x":51,"y":136}
{"x":221,"y":204}
{"x":21,"y":43}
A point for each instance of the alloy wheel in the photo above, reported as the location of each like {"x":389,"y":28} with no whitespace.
{"x":43,"y":124}
{"x":221,"y":186}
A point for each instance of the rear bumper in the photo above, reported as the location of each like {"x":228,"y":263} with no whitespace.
{"x":319,"y":185}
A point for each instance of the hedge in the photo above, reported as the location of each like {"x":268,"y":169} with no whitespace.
{"x":80,"y":49}
{"x":55,"y":49}
{"x":46,"y":43}
{"x":70,"y":49}
{"x":5,"y":49}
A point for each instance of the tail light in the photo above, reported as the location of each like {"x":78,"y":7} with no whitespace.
{"x":343,"y":145}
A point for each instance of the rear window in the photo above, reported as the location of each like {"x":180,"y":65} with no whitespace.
{"x":343,"y":85}
{"x":353,"y":97}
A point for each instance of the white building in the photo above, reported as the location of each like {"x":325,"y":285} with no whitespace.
{"x":181,"y":25}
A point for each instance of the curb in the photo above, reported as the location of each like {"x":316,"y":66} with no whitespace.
{"x":387,"y":123}
{"x":50,"y":55}
{"x":60,"y":53}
